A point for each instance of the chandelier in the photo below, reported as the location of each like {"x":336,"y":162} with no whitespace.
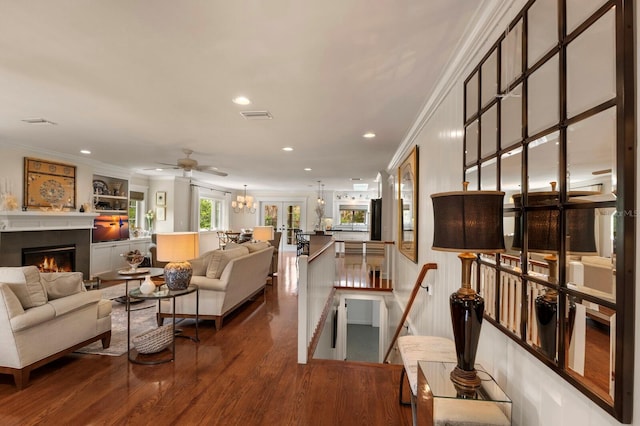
{"x":244,"y":203}
{"x":320,"y":194}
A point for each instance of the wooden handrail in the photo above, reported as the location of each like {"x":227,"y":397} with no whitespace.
{"x":423,"y":272}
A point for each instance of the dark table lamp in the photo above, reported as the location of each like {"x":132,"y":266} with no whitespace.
{"x":469,"y":222}
{"x":543,"y":236}
{"x":176,"y":248}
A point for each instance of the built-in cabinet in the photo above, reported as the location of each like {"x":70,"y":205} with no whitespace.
{"x":108,"y":256}
{"x":110,"y":195}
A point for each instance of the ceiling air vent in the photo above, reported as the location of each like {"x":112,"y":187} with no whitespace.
{"x":256,"y":115}
{"x":39,"y":121}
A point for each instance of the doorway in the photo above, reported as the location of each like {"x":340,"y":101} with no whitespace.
{"x":361,"y":328}
{"x":284,"y":216}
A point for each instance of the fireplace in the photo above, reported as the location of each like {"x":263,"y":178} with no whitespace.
{"x":50,"y":258}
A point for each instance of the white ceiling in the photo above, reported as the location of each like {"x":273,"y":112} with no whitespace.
{"x":137,"y":81}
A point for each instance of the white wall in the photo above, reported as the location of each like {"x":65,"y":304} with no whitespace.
{"x":540,"y":396}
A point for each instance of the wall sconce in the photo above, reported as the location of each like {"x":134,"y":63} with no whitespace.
{"x":244,"y":203}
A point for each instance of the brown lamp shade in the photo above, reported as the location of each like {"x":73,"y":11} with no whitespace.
{"x":469,"y":221}
{"x":543,"y":227}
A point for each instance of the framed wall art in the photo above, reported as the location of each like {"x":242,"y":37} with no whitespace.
{"x":161,"y":198}
{"x":49,"y":185}
{"x":408,"y":206}
{"x":161,"y":213}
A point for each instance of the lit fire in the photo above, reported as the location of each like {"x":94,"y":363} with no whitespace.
{"x":49,"y":265}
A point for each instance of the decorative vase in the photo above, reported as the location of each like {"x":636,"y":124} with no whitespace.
{"x":547,"y":319}
{"x":177,"y":275}
{"x":467,"y":308}
{"x":147,"y":286}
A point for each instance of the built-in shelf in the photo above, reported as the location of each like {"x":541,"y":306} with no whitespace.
{"x":110,"y":195}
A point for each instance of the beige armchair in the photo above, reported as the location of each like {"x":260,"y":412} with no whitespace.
{"x":44,"y":316}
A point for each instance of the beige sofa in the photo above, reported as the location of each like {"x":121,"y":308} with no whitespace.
{"x":226,"y":278}
{"x":44,"y":316}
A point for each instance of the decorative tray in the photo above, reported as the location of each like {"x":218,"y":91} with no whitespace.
{"x":128,"y":271}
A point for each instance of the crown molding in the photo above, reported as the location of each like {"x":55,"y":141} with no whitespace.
{"x":486,"y":19}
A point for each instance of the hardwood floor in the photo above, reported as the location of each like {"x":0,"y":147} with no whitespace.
{"x":245,"y":374}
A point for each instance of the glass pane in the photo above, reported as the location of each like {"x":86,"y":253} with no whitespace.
{"x":488,"y":289}
{"x":512,"y":224}
{"x":542,"y":32}
{"x":471,"y":176}
{"x":591,"y":66}
{"x":511,"y":112}
{"x":591,"y":154}
{"x":472,"y":143}
{"x":510,"y":302}
{"x":543,"y":162}
{"x":543,"y":97}
{"x":579,"y":10}
{"x":542,"y":323}
{"x":590,"y":351}
{"x":511,"y":66}
{"x":593,"y":275}
{"x":489,"y":138}
{"x":488,"y":175}
{"x":270,"y":215}
{"x":472,"y":96}
{"x":510,"y":174}
{"x":490,"y":78}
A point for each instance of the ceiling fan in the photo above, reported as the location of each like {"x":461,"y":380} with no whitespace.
{"x":189,"y":164}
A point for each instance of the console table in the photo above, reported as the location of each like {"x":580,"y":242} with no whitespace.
{"x":439,"y":402}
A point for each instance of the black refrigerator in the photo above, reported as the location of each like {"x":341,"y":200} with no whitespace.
{"x":375,"y":230}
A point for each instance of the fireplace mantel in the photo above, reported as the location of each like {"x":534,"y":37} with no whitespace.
{"x":17,"y":221}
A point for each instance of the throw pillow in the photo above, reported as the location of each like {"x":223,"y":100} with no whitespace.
{"x":62,"y":284}
{"x":231,"y":245}
{"x":25,"y":283}
{"x":221,"y":258}
{"x":199,"y":264}
{"x":257,"y":246}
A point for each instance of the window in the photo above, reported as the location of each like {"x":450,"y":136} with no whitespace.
{"x":353,"y":214}
{"x":211,"y":217}
{"x":136,"y":210}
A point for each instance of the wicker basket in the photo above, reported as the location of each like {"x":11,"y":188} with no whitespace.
{"x":154,"y":340}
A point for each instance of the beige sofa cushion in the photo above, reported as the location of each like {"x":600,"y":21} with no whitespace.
{"x":62,"y":284}
{"x":257,"y":246}
{"x":220,"y":258}
{"x":25,"y":283}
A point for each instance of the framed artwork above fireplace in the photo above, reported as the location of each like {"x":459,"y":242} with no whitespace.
{"x":49,"y":185}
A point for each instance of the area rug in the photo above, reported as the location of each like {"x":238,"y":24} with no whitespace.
{"x":143,"y":318}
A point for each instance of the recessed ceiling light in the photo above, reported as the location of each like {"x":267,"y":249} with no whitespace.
{"x":241,"y":100}
{"x":287,"y":148}
{"x":369,"y":135}
{"x":307,"y":169}
{"x":159,"y":170}
{"x":85,"y":151}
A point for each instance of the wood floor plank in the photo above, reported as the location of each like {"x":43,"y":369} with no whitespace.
{"x":245,"y":374}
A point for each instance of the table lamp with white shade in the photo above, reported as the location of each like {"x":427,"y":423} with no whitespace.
{"x":176,"y":248}
{"x":263,"y":233}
